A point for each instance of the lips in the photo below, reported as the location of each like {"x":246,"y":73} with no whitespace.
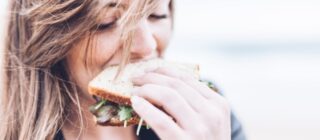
{"x":133,"y":59}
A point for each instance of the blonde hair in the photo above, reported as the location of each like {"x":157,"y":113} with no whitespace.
{"x":37,"y":92}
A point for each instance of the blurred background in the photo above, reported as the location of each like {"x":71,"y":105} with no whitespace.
{"x":265,"y":57}
{"x":263,"y":54}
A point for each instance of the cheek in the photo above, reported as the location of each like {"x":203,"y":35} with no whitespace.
{"x":104,"y":49}
{"x":165,"y":36}
{"x":100,"y":50}
{"x":163,"y":33}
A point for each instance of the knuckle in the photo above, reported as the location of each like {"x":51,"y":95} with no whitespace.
{"x":218,"y":119}
{"x":159,"y":124}
{"x":163,"y":70}
{"x":147,"y":87}
{"x":169,"y":96}
{"x":180,"y":135}
{"x":174,"y":72}
{"x":148,"y":77}
{"x":175,"y":83}
{"x":186,"y":77}
{"x":225,"y":106}
{"x":201,"y":132}
{"x":167,"y":71}
{"x":143,"y":89}
{"x":221,"y":103}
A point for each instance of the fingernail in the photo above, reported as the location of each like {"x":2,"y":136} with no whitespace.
{"x":136,"y":76}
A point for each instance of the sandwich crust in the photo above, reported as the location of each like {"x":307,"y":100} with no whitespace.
{"x":110,"y":96}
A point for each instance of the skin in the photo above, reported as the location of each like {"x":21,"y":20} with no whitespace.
{"x":199,"y":112}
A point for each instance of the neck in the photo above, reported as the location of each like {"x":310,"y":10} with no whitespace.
{"x":72,"y":128}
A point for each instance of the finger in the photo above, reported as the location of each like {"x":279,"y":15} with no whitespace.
{"x":171,"y":102}
{"x":161,"y":123}
{"x":212,"y":98}
{"x":188,"y":79}
{"x":192,"y":96}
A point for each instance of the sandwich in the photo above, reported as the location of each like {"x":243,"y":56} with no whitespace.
{"x":112,"y":92}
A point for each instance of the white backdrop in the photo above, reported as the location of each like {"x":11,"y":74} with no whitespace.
{"x":263,"y":54}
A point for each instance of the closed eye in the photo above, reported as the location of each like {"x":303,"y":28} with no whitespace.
{"x":157,"y":17}
{"x":106,"y":26}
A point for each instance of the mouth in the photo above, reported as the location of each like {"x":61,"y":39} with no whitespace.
{"x":133,"y":59}
{"x":154,"y":55}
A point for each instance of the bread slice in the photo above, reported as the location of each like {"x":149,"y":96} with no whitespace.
{"x":119,"y":91}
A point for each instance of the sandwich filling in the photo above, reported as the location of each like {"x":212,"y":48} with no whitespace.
{"x":104,"y":110}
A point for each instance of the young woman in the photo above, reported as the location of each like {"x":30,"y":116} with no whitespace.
{"x":55,"y":47}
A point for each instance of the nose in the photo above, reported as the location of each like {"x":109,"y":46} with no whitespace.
{"x":144,"y":41}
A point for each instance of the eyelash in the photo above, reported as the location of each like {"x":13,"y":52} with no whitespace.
{"x":158,"y":17}
{"x":106,"y":26}
{"x":102,"y":27}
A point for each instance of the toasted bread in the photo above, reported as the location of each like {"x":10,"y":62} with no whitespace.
{"x":118,"y":90}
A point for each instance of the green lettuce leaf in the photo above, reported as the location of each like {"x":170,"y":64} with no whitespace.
{"x":125,"y":113}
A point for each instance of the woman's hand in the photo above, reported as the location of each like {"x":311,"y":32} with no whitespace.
{"x":192,"y":109}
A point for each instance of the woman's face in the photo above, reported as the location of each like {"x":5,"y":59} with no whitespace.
{"x":152,"y":35}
